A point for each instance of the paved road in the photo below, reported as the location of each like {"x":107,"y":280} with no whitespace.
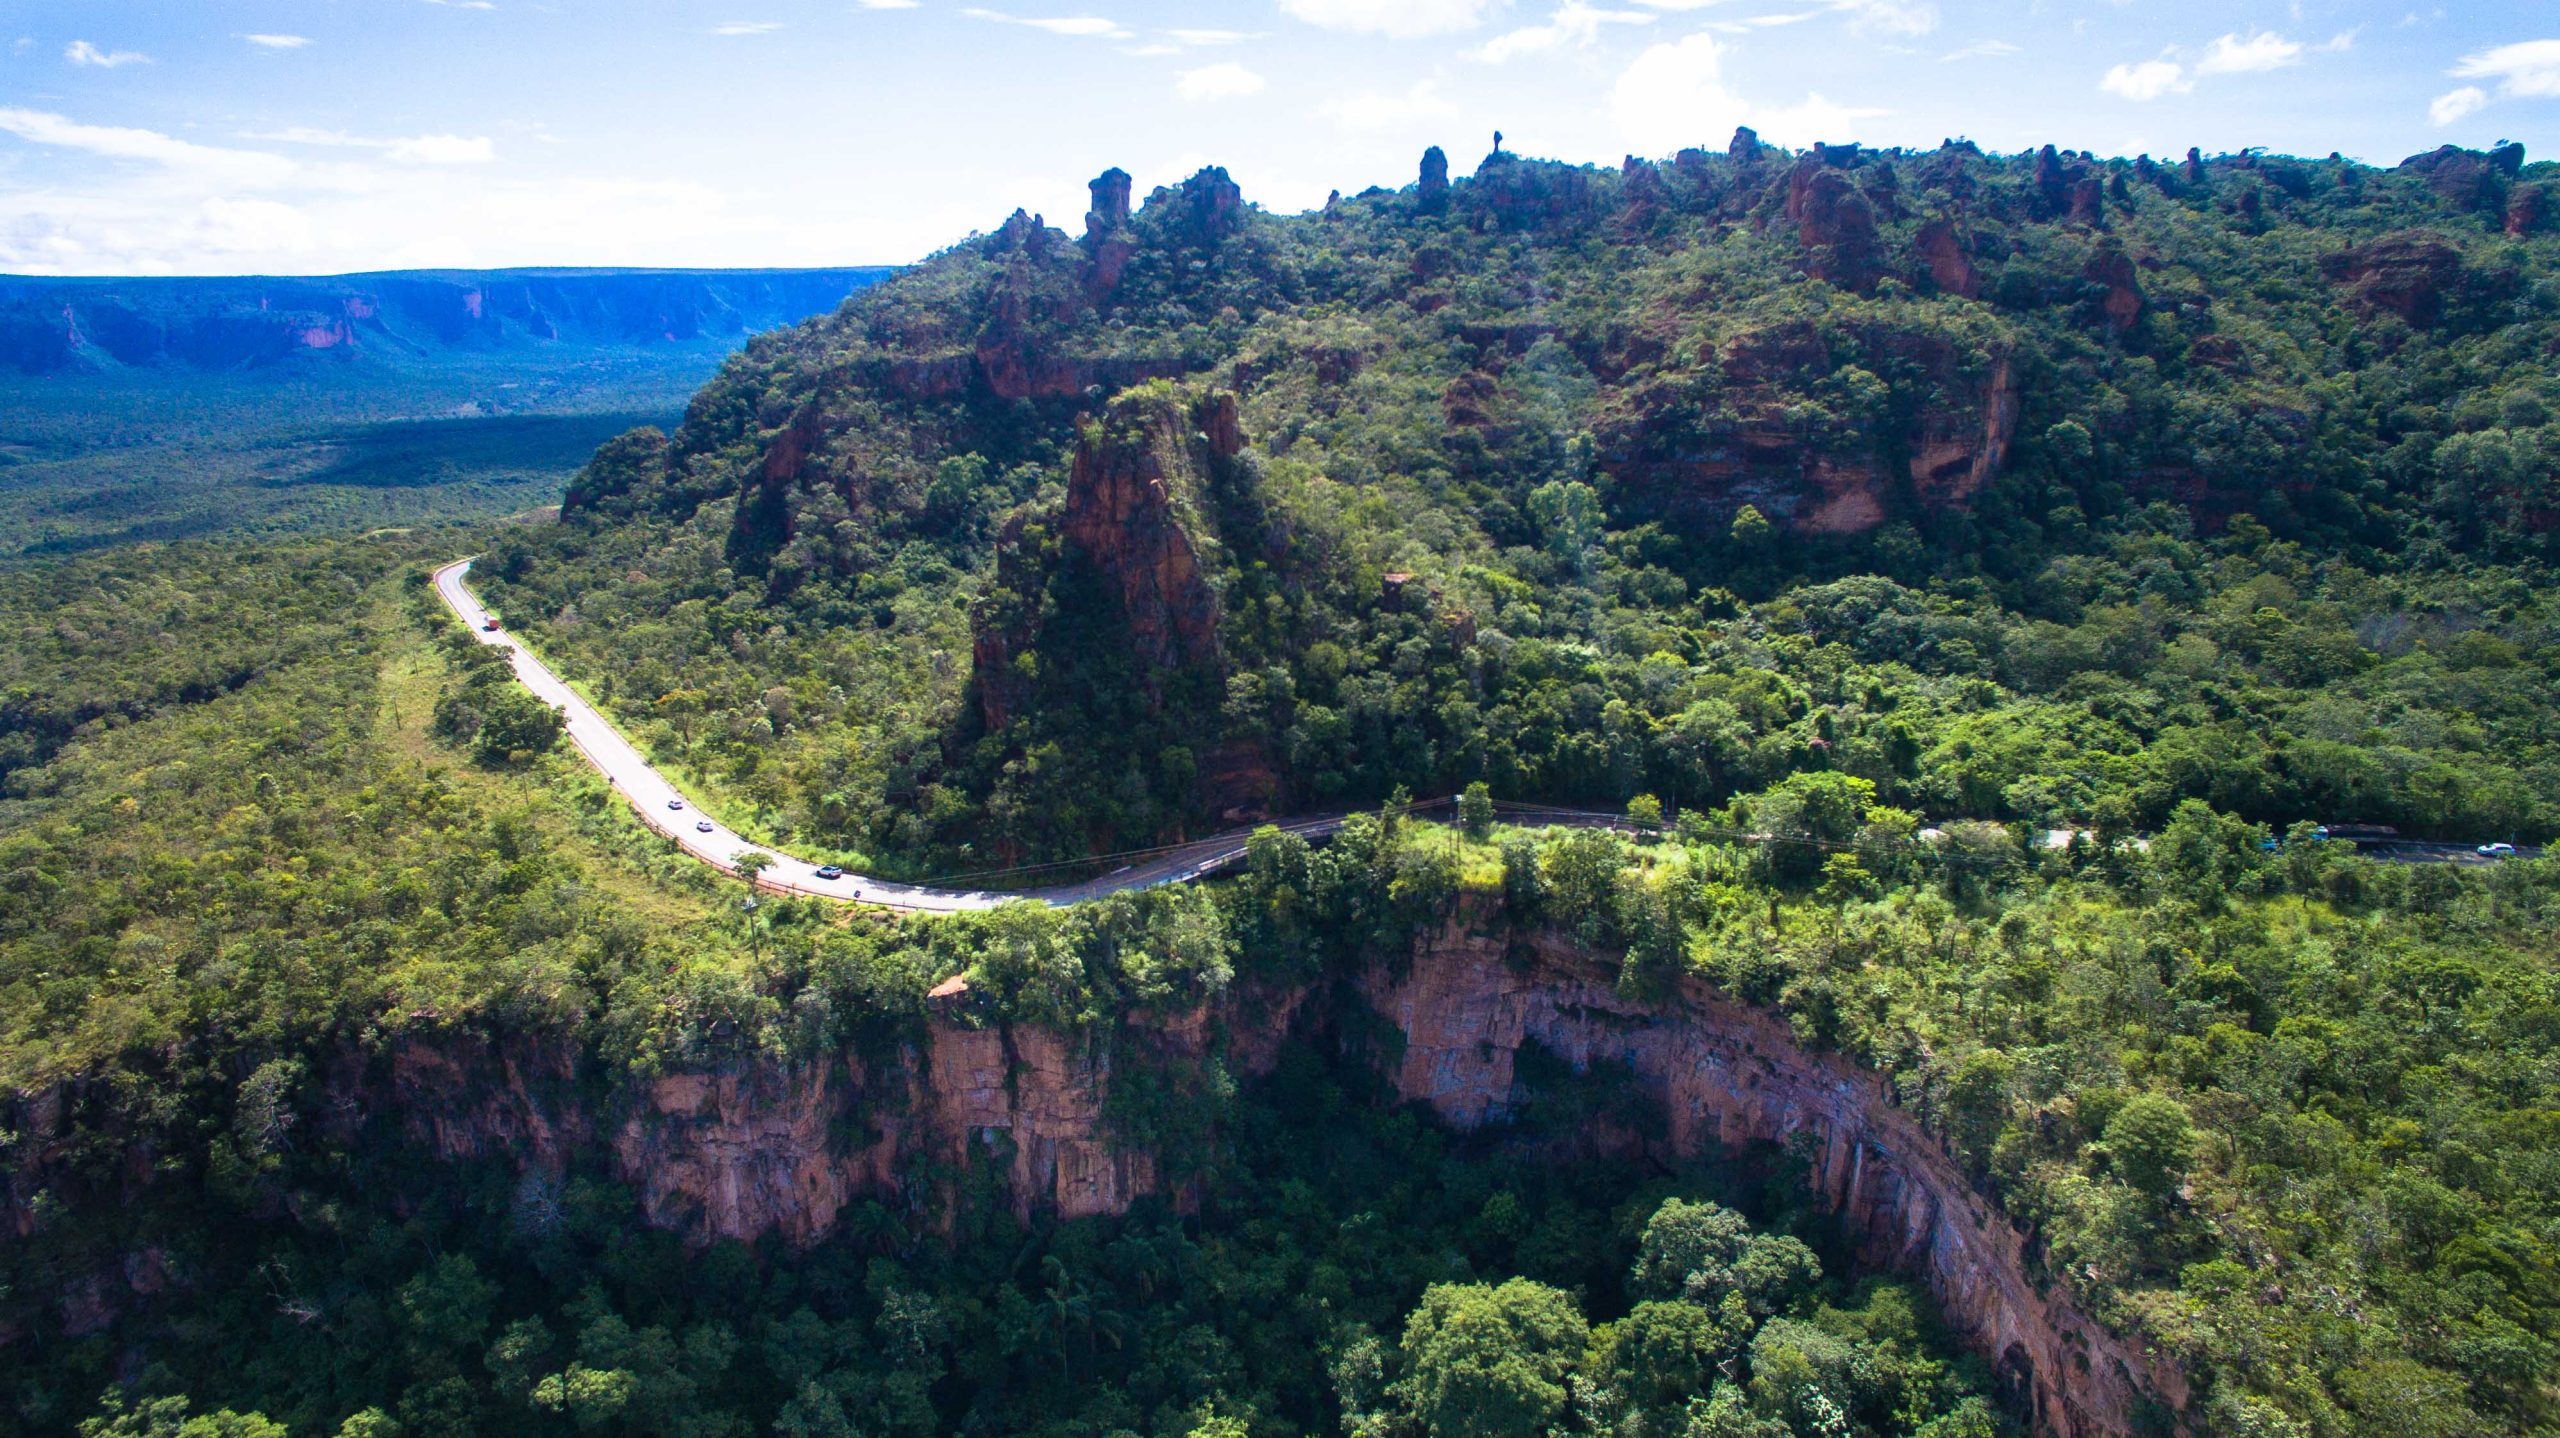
{"x":649,"y":793}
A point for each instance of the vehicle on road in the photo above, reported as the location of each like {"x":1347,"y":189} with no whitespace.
{"x":702,"y":825}
{"x":2496,"y":851}
{"x":490,"y":624}
{"x":829,"y":871}
{"x":675,"y":803}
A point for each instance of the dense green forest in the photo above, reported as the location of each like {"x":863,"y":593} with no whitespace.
{"x":1794,"y":505}
{"x":2030,"y":488}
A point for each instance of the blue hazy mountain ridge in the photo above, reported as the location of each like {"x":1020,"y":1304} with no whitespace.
{"x":164,"y":408}
{"x":248,"y":323}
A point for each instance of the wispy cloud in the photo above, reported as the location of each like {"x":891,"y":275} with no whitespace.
{"x":747,"y":27}
{"x":2455,"y":105}
{"x":1094,"y":27}
{"x":1395,"y":19}
{"x":1575,"y":24}
{"x":885,"y":4}
{"x":117,"y":142}
{"x":1213,"y":37}
{"x":278,"y":42}
{"x":1980,"y":50}
{"x":464,"y":4}
{"x":2528,"y":69}
{"x":81,"y":52}
{"x":2235,"y":55}
{"x":415,"y":149}
{"x":1228,"y":81}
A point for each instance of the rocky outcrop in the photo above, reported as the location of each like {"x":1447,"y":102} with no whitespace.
{"x":1108,"y":242}
{"x":2113,"y":270}
{"x":1431,"y":191}
{"x":2408,"y":274}
{"x":1950,"y":265}
{"x":2532,"y":210}
{"x":1135,"y":520}
{"x":1758,"y":452}
{"x":1834,"y":223}
{"x":2470,"y":180}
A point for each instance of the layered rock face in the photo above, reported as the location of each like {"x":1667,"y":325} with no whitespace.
{"x":2409,"y":275}
{"x":1757,"y":453}
{"x":1725,"y":1076}
{"x":760,"y":1150}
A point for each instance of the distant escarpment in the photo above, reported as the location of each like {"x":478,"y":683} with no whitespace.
{"x":791,"y":1152}
{"x":254,"y":324}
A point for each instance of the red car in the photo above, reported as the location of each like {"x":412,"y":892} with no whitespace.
{"x":490,"y":624}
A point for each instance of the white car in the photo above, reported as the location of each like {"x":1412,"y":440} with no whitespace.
{"x":702,"y":825}
{"x":675,"y":803}
{"x":2496,"y":851}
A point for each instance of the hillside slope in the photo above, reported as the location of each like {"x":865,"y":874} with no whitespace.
{"x":1510,"y":473}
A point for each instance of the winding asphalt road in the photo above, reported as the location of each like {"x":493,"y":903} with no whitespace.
{"x":664,"y":809}
{"x":650,"y":794}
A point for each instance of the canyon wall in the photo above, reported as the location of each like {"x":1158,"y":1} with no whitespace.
{"x":785,"y":1152}
{"x":791,"y":1152}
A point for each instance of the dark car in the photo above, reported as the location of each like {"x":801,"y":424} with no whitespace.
{"x":702,"y":824}
{"x":829,"y":871}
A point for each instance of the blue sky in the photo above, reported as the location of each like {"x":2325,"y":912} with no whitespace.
{"x":311,"y":136}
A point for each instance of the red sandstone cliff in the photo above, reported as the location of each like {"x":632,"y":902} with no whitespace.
{"x":1756,"y":451}
{"x":758,"y":1149}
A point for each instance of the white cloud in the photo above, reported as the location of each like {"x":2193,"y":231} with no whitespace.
{"x":113,"y":142}
{"x":1213,"y":37}
{"x":1673,"y":95}
{"x":278,"y":42}
{"x":2456,"y":104}
{"x":1811,"y":119}
{"x":464,"y":4}
{"x":1228,"y":81}
{"x":1910,"y":18}
{"x":747,"y":27}
{"x":2528,"y":69}
{"x":416,"y":149}
{"x":81,"y":52}
{"x":1981,"y":50}
{"x":443,"y":150}
{"x":1085,"y":26}
{"x":2147,"y":81}
{"x":2232,"y":55}
{"x":1396,"y":19}
{"x":1371,"y":111}
{"x":886,"y":4}
{"x":1575,"y":23}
